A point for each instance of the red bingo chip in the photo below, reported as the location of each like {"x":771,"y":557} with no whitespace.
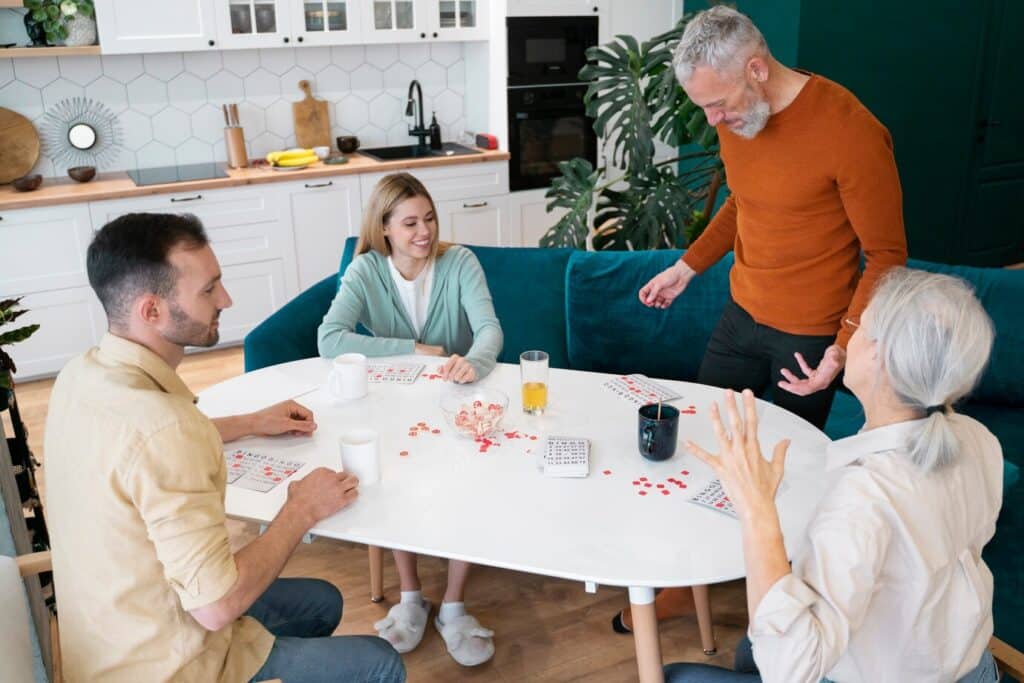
{"x":665,"y":492}
{"x":403,"y":453}
{"x":642,"y":492}
{"x":606,"y":472}
{"x":636,"y":483}
{"x":643,"y":478}
{"x":647,"y":485}
{"x":435,"y":431}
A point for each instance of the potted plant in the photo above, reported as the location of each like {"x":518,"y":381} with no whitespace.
{"x":63,"y":22}
{"x":634,"y":98}
{"x":9,"y":312}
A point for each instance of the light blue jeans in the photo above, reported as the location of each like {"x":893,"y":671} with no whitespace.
{"x":745,"y":670}
{"x":302,"y":614}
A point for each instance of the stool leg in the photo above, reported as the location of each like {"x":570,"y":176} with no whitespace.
{"x":704,"y":623}
{"x":376,"y":573}
{"x":645,"y":635}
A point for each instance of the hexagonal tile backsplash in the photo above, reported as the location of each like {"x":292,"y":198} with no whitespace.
{"x":169,"y":104}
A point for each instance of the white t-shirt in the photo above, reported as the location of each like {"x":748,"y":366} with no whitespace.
{"x":415,"y":294}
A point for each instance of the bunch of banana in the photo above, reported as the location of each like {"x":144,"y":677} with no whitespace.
{"x":292,"y":157}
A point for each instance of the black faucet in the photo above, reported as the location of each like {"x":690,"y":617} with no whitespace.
{"x":414,"y":108}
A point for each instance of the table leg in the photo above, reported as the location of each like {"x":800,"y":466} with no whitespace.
{"x":702,"y":601}
{"x":645,"y":635}
{"x":376,"y":573}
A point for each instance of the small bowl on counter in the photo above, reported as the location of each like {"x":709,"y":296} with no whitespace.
{"x":322,"y":152}
{"x":82,"y":174}
{"x":28,"y":183}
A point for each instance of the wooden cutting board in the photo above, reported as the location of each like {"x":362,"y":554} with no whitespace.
{"x":312,"y":123}
{"x":19,"y":145}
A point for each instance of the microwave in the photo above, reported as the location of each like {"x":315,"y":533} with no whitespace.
{"x":548,"y":50}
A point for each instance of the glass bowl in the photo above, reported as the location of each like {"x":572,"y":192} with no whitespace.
{"x":474,"y":412}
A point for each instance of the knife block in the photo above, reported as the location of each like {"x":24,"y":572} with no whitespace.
{"x":234,"y":140}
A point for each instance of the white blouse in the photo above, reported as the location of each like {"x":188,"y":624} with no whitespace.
{"x":415,"y":294}
{"x":889,"y":584}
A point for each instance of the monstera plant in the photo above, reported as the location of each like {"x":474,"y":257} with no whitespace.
{"x":634,"y":99}
{"x":9,"y":312}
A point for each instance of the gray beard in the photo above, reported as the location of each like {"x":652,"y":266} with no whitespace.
{"x":754,"y":120}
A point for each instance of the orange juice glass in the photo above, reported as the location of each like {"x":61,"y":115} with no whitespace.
{"x":533,"y":368}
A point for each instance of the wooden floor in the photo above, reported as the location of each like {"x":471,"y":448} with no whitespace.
{"x":546,"y":629}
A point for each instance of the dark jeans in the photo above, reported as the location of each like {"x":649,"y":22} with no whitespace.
{"x":303,"y":614}
{"x":745,"y":670}
{"x":743,"y":354}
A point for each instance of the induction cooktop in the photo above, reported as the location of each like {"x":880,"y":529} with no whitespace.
{"x":177,"y":174}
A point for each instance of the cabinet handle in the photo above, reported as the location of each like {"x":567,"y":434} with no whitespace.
{"x":212,"y":43}
{"x":477,"y":205}
{"x":423,"y":35}
{"x":299,"y":39}
{"x":286,"y":39}
{"x":435,"y":34}
{"x":314,"y":185}
{"x":186,"y":199}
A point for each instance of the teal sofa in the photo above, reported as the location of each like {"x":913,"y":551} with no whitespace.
{"x":582,"y":308}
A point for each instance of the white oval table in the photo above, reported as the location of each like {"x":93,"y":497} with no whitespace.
{"x":446,"y":498}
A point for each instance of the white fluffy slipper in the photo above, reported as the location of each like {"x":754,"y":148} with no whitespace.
{"x":404,"y":625}
{"x":468,"y":642}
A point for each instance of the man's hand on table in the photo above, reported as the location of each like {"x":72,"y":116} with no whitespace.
{"x":817,"y":378}
{"x":321,"y":493}
{"x":457,"y":369}
{"x":286,"y":417}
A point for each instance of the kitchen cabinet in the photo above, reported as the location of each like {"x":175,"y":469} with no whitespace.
{"x":558,"y":8}
{"x":253,"y":23}
{"x":257,"y":290}
{"x":127,"y":26}
{"x":481,"y":221}
{"x":404,"y":21}
{"x":529,"y":218}
{"x":328,"y":22}
{"x":458,"y":19}
{"x":43,"y":260}
{"x":324,"y":213}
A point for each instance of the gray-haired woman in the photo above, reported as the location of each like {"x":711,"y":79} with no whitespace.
{"x":890,"y":584}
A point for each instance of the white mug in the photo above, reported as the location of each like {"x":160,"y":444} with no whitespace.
{"x":360,"y":455}
{"x":348,"y":376}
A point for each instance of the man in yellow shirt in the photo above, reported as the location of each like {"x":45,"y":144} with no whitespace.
{"x":147,"y":585}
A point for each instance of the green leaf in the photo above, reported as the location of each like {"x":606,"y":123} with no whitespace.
{"x":18,"y":335}
{"x":40,"y":15}
{"x":574,"y":191}
{"x":652,"y":214}
{"x":32,"y":4}
{"x":53,"y":11}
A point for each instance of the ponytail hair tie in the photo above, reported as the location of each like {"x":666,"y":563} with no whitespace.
{"x":931,"y":410}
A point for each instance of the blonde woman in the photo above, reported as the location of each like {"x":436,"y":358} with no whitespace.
{"x":417,"y":294}
{"x":414,"y":293}
{"x":889,"y":584}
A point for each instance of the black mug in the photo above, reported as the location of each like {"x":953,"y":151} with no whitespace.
{"x":347,"y":143}
{"x":657,"y":437}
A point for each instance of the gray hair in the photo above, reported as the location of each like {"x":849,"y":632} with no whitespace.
{"x":720,"y":38}
{"x":934,"y":339}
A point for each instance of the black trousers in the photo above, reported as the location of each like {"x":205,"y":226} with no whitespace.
{"x":743,"y":354}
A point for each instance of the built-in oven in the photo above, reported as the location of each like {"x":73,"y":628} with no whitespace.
{"x":547,"y":125}
{"x":548,"y":49}
{"x":547,"y":120}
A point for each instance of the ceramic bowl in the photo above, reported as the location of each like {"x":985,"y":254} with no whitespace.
{"x":347,"y":143}
{"x":28,"y":183}
{"x":474,"y":412}
{"x":82,"y":174}
{"x":322,"y":152}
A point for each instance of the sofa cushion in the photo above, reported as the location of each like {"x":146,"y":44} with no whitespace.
{"x":611,"y":331}
{"x":528,"y":288}
{"x":1001,"y":292}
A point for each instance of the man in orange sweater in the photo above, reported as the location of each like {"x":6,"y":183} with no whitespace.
{"x":814,"y":185}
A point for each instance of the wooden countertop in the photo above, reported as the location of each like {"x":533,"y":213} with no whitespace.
{"x":118,"y":185}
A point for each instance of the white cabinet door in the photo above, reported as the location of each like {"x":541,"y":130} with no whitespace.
{"x":328,"y":22}
{"x":529,"y":217}
{"x":43,"y":249}
{"x":482,"y":221}
{"x":456,"y":181}
{"x":156,"y":25}
{"x":70,"y":322}
{"x":244,"y":224}
{"x":253,"y":23}
{"x":560,"y":8}
{"x":457,"y":20}
{"x":257,"y":290}
{"x":396,"y":21}
{"x":324,"y":212}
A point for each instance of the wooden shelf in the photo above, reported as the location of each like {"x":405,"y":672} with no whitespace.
{"x":16,"y":52}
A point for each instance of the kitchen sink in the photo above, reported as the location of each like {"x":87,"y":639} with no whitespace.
{"x":448,"y":149}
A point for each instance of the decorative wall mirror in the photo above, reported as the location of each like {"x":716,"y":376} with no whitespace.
{"x":82,"y":136}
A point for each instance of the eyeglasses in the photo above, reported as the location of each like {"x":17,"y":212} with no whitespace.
{"x":851,"y":324}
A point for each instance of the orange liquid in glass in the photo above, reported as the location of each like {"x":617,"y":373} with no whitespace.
{"x":535,"y":397}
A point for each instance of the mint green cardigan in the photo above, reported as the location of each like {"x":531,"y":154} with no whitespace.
{"x":460,"y":313}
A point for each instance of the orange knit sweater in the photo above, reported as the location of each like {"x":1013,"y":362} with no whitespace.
{"x":810,"y":192}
